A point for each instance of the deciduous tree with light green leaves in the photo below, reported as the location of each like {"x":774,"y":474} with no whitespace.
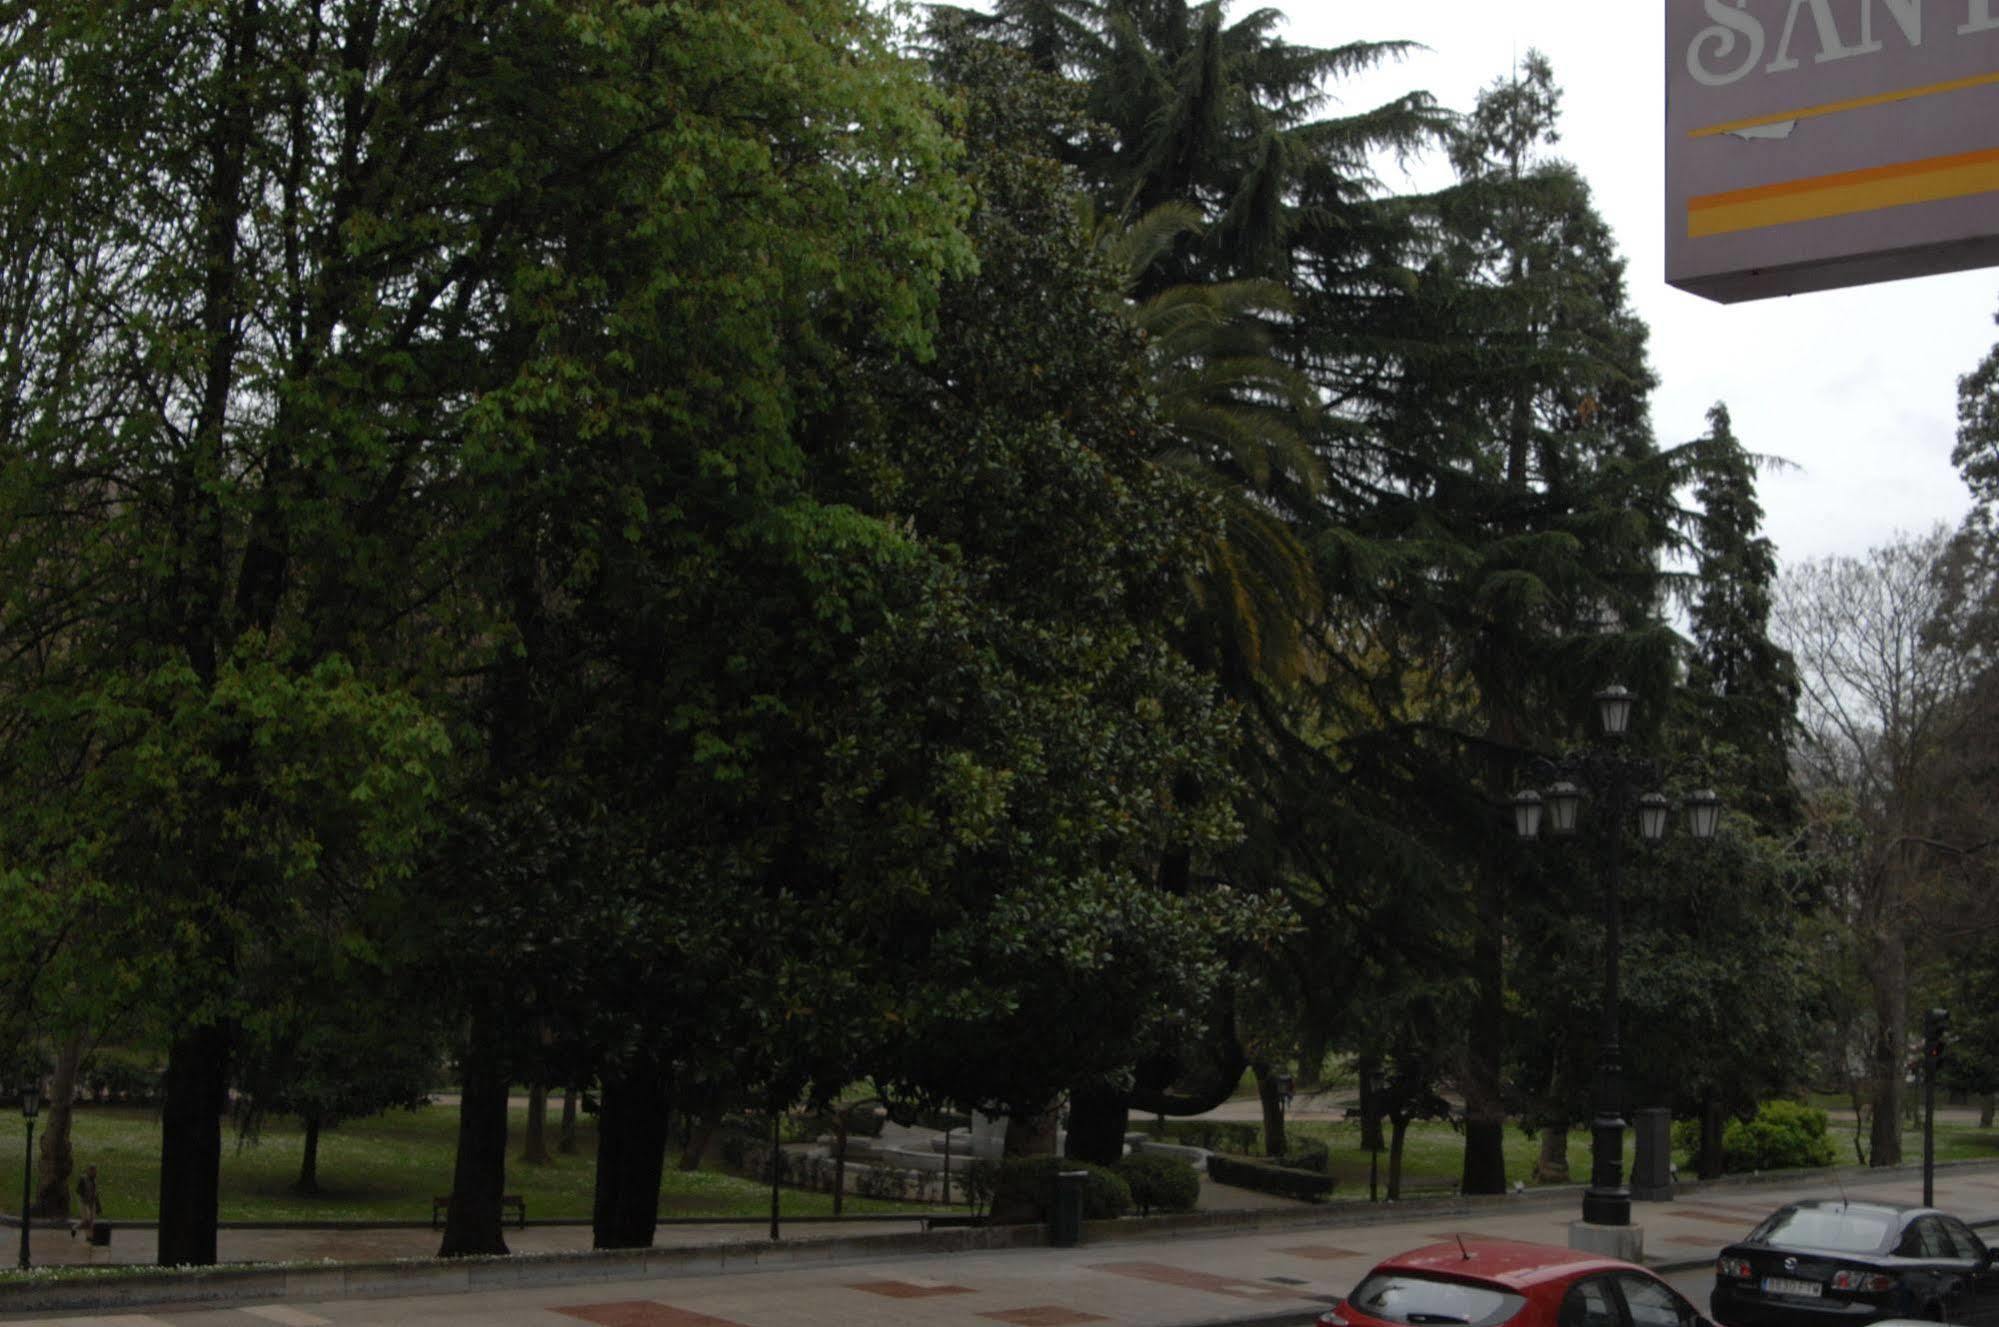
{"x":348,"y":340}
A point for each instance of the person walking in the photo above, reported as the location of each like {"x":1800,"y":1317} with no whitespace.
{"x":86,"y":1196}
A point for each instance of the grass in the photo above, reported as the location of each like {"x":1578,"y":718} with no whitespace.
{"x":1436,"y":1151}
{"x":386,"y":1168}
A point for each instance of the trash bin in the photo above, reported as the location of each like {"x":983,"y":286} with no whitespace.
{"x":100,"y":1234}
{"x":1065,"y":1215}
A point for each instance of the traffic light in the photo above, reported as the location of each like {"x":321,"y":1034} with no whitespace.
{"x":1936,"y":1023}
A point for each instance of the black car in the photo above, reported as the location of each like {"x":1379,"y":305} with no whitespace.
{"x":1828,"y":1262}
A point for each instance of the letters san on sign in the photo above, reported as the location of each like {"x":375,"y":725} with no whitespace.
{"x":1813,"y":144}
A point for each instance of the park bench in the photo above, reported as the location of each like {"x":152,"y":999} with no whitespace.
{"x":519,"y":1205}
{"x":1428,"y":1186}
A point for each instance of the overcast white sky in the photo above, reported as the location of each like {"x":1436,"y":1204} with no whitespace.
{"x":1858,"y":388}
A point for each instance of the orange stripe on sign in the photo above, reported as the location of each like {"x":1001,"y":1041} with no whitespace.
{"x":1856,"y":104}
{"x":1932,"y":180}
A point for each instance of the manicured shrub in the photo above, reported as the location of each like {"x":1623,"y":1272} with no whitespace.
{"x":1160,"y":1183}
{"x":1265,"y":1178}
{"x":1308,"y":1155}
{"x":1784,"y":1135}
{"x":881,"y":1182}
{"x":1024,"y":1189}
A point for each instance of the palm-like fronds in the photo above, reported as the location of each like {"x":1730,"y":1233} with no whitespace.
{"x":1232,"y":414}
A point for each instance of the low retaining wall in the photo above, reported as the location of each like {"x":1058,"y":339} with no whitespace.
{"x":222,"y":1286}
{"x":264,"y":1283}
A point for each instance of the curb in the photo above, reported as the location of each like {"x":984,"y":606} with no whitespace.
{"x":217,"y":1287}
{"x":267,"y":1282}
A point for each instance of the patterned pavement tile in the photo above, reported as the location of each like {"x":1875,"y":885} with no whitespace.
{"x":908,"y":1289}
{"x":1044,"y":1315}
{"x":1696,"y":1214}
{"x":1188,"y":1279}
{"x":120,"y":1320}
{"x":286,"y":1316}
{"x":641,"y":1313}
{"x":1321,"y":1252}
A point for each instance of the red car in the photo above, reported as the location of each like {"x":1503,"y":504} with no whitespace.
{"x":1487,"y":1282}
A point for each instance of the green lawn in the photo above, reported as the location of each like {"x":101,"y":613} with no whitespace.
{"x":386,"y":1168}
{"x":1436,"y":1151}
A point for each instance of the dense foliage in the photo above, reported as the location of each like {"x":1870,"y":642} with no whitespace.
{"x":708,"y":552}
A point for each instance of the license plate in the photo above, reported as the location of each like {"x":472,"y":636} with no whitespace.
{"x":1779,"y":1285}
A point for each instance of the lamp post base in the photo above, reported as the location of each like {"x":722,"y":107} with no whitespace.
{"x":1626,"y":1242}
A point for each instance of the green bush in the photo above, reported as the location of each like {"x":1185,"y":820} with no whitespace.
{"x":1024,"y":1189}
{"x":1308,"y":1155}
{"x":1265,"y":1178}
{"x":981,"y":1177}
{"x":1783,"y":1136}
{"x":1165,"y":1183}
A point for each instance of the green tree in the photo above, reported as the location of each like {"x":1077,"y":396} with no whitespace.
{"x":1529,"y":507}
{"x":341,"y":1048}
{"x":328,"y":374}
{"x":1741,"y":687}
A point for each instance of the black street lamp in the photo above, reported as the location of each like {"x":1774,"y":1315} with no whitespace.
{"x":31,"y":1106}
{"x":1607,"y":771}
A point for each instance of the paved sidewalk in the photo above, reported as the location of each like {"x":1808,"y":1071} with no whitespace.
{"x":1282,"y":1271}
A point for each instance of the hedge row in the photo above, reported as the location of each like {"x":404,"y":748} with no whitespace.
{"x":1264,"y":1178}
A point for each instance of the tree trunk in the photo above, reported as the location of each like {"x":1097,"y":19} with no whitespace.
{"x":472,"y":1224}
{"x":534,"y":1148}
{"x":308,"y":1166}
{"x":566,"y":1143}
{"x":1312,"y":1060}
{"x":1207,"y":1076}
{"x":700,"y":1132}
{"x":1714,"y":1128}
{"x":840,"y":1161}
{"x":1272,"y":1100}
{"x":1398,"y":1134}
{"x":57,"y":1162}
{"x":1032,"y":1134}
{"x":1987,"y":1105}
{"x":1485,"y":1110}
{"x":1098,"y":1118}
{"x":1553,"y":1165}
{"x":1889,"y":970}
{"x":197,"y":1087}
{"x":632,"y":1121}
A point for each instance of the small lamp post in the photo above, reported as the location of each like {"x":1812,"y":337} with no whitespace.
{"x":31,"y":1106}
{"x":1608,"y":770}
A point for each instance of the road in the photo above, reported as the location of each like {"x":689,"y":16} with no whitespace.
{"x":1270,"y":1270}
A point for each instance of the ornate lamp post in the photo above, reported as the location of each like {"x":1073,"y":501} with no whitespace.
{"x":1607,"y":772}
{"x":31,"y":1105}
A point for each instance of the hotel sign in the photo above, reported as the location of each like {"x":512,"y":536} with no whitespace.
{"x":1812,"y":144}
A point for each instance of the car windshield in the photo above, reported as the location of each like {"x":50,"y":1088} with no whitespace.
{"x":1836,"y":1229}
{"x":1425,"y":1301}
